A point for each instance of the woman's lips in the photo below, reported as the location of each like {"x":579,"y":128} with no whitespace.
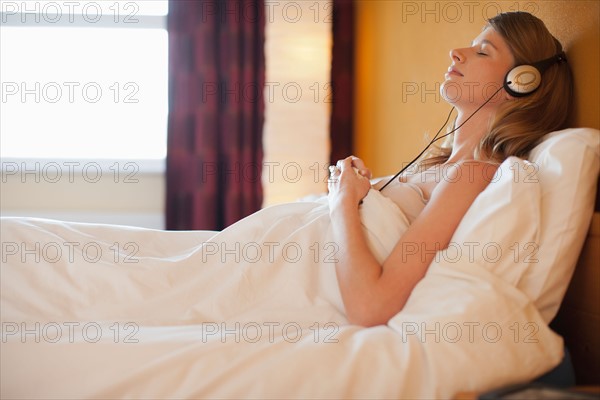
{"x":453,"y":71}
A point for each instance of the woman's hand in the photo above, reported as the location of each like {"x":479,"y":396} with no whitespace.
{"x":348,"y":182}
{"x":359,"y":165}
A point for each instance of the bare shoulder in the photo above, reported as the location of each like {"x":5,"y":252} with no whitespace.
{"x":470,"y":171}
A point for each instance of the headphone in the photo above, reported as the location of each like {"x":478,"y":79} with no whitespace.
{"x":525,"y":79}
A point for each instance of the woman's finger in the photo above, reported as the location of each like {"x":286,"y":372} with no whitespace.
{"x":362,"y":168}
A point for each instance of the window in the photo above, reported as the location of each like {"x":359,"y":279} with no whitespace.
{"x":84,"y":79}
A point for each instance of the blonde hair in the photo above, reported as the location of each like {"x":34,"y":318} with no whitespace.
{"x":520,"y":124}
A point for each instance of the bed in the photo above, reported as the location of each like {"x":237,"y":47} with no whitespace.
{"x":101,"y":311}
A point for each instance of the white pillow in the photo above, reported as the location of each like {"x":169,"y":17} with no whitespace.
{"x":468,"y":308}
{"x":537,"y":214}
{"x":500,"y":231}
{"x":568,"y":164}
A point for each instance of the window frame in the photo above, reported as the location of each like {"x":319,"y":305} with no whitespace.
{"x":76,"y":18}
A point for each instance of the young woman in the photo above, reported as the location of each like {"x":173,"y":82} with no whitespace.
{"x":438,"y":196}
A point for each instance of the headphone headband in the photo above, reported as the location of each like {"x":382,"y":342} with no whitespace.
{"x":525,"y":79}
{"x":544,"y":64}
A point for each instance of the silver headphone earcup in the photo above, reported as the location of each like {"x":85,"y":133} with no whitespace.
{"x":522,"y":80}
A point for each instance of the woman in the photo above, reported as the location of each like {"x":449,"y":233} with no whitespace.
{"x":448,"y":184}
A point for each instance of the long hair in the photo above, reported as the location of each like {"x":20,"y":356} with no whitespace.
{"x":518,"y":125}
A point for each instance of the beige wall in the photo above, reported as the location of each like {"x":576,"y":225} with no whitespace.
{"x":402,"y":55}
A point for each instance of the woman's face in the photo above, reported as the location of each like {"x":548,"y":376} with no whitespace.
{"x":478,"y":71}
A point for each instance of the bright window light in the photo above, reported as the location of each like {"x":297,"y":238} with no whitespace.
{"x":84,"y":92}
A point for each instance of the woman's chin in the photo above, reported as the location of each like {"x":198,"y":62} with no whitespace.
{"x":451,"y":92}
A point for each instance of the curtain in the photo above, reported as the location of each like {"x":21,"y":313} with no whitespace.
{"x":342,"y":75}
{"x":216,"y":112}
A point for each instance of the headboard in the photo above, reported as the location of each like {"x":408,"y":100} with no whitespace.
{"x":578,"y":319}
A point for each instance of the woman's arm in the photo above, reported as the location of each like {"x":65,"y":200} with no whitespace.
{"x":374,"y":293}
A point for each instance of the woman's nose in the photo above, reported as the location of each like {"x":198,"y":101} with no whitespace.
{"x":456,"y":55}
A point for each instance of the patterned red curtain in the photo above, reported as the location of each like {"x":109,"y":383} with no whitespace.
{"x":342,"y":76}
{"x":216,"y":112}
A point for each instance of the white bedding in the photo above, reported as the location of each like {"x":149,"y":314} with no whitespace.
{"x":99,"y":311}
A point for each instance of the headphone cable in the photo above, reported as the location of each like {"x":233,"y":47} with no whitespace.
{"x":436,"y":138}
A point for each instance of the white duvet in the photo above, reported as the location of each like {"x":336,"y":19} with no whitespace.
{"x":254,"y":311}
